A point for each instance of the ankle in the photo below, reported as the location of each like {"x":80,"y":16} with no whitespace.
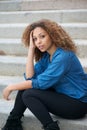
{"x":52,"y":126}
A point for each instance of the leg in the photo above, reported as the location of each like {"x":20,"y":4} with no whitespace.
{"x":40,"y":111}
{"x":13,"y":121}
{"x":37,"y":107}
{"x":19,"y":106}
{"x":42,"y":102}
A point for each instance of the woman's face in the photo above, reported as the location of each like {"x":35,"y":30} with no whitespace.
{"x":41,"y":39}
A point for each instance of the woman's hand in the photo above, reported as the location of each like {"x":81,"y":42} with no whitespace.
{"x":6,"y":92}
{"x":30,"y":58}
{"x":18,"y":86}
{"x":32,"y":45}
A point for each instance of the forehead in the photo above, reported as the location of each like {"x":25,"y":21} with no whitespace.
{"x":38,"y":30}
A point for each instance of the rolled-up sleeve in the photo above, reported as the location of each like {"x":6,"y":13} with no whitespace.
{"x":53,"y":73}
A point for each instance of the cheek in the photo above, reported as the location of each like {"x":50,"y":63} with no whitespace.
{"x":48,"y":39}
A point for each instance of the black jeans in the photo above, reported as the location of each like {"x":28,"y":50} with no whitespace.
{"x":43,"y":102}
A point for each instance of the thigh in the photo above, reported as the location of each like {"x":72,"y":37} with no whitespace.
{"x":59,"y":104}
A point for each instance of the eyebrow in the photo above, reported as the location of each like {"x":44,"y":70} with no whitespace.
{"x":39,"y":34}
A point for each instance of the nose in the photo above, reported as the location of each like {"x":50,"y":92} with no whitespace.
{"x":38,"y":41}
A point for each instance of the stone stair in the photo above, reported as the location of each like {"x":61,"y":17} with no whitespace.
{"x":19,"y":5}
{"x":14,"y":17}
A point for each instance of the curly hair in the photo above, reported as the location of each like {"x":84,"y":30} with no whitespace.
{"x":58,"y":36}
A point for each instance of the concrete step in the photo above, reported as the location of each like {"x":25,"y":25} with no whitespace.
{"x":19,"y":5}
{"x":15,"y":66}
{"x":31,"y":123}
{"x":10,"y":65}
{"x":84,"y":63}
{"x":15,"y":47}
{"x":76,"y":30}
{"x":62,"y":16}
{"x":12,"y":47}
{"x":81,"y":48}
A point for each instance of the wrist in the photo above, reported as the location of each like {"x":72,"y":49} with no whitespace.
{"x":9,"y":87}
{"x":31,"y":48}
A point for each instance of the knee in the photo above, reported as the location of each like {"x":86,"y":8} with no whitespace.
{"x":27,"y":94}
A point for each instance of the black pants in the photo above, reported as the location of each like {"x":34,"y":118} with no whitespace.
{"x":43,"y":102}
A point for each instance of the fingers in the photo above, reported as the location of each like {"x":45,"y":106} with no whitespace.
{"x":31,"y":36}
{"x":31,"y":40}
{"x":6,"y":94}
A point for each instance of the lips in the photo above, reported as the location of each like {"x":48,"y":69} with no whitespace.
{"x":41,"y":47}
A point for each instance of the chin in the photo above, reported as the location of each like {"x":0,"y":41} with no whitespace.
{"x":42,"y":50}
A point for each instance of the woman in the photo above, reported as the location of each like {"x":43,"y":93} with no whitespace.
{"x":56,"y":84}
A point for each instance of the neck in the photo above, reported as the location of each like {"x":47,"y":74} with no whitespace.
{"x":51,"y":51}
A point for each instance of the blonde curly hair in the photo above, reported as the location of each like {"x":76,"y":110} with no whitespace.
{"x":57,"y":34}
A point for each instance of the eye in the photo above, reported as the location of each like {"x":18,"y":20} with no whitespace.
{"x":42,"y":36}
{"x":34,"y":39}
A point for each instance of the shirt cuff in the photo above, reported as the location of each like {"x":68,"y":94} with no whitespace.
{"x":26,"y":78}
{"x":35,"y":83}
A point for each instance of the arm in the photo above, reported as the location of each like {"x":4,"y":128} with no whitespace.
{"x":19,"y":86}
{"x":54,"y":72}
{"x":29,"y":72}
{"x":30,"y":59}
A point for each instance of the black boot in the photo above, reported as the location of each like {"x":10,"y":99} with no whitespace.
{"x":13,"y":123}
{"x":52,"y":126}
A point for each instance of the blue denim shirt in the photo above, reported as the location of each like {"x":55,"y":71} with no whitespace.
{"x":64,"y":73}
